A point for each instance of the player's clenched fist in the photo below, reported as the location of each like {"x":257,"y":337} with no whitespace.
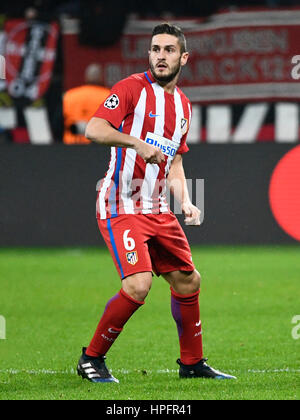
{"x":192,"y":214}
{"x":149,"y":153}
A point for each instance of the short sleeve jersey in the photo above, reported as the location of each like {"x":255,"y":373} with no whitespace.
{"x":138,"y":106}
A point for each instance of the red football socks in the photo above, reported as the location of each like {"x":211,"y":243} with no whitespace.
{"x":186,"y":313}
{"x":117,"y":312}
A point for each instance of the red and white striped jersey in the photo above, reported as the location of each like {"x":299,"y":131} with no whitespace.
{"x":140,"y":107}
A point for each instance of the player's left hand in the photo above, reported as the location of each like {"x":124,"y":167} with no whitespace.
{"x":192,"y":214}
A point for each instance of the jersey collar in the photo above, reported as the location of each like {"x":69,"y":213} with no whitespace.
{"x":149,"y":77}
{"x":151,"y":80}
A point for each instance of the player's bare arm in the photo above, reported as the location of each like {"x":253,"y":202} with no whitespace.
{"x":102,"y":132}
{"x":178,"y":186}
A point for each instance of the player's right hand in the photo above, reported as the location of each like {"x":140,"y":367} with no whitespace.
{"x":192,"y":214}
{"x":150,"y":154}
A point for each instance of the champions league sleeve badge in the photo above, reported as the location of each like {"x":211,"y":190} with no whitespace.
{"x":112,"y":102}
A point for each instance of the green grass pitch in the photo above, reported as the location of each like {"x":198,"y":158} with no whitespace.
{"x":52,"y":300}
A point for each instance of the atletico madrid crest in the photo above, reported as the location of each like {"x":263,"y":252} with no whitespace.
{"x":132,"y":257}
{"x":184,"y":126}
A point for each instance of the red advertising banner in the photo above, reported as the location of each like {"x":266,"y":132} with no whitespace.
{"x":28,"y":98}
{"x":30,"y":53}
{"x":242,"y":75}
{"x":242,"y":55}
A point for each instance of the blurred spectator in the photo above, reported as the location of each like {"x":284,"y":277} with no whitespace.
{"x":80,"y":103}
{"x":102,"y":22}
{"x":44,"y":10}
{"x":160,"y":8}
{"x":111,"y":16}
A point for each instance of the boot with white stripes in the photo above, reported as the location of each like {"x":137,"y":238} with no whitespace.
{"x":94,"y":369}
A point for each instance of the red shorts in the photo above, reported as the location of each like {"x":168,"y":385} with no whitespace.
{"x":150,"y":242}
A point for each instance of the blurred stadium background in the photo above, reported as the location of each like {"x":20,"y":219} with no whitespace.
{"x":244,"y":83}
{"x":245,"y":113}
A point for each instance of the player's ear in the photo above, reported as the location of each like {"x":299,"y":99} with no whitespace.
{"x":184,"y":58}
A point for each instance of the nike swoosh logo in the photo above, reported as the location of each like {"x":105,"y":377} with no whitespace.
{"x":198,"y":324}
{"x":153,"y":115}
{"x":113,"y":332}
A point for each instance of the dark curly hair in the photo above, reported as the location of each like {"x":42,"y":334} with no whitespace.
{"x":168,"y":28}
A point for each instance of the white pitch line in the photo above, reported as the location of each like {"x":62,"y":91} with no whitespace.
{"x":128,"y":372}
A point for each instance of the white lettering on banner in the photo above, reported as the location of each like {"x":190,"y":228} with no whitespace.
{"x":240,"y":40}
{"x":234,"y":56}
{"x":235,"y":70}
{"x":134,"y":49}
{"x":221,"y":42}
{"x":227,"y":70}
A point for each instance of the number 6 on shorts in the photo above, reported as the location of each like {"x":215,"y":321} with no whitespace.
{"x":129,"y":243}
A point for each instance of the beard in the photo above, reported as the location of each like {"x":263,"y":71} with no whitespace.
{"x":168,"y":77}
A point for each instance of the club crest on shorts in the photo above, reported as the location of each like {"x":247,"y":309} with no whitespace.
{"x":132,"y":257}
{"x":184,"y":126}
